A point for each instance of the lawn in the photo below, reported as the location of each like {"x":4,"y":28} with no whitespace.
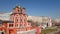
{"x":58,"y":32}
{"x":45,"y":31}
{"x":58,"y":27}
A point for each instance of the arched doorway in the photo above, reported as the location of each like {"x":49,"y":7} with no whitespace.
{"x":2,"y":33}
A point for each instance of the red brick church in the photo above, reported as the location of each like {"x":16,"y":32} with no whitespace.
{"x":18,"y":22}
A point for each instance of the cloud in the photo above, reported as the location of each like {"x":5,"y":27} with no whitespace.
{"x":5,"y":16}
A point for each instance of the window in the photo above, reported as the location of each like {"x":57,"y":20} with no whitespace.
{"x":17,"y":20}
{"x":10,"y":25}
{"x":24,"y":24}
{"x":20,"y":20}
{"x":18,"y":10}
{"x":20,"y":24}
{"x":16,"y":25}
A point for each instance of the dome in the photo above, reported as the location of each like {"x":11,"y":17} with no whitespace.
{"x":17,"y":6}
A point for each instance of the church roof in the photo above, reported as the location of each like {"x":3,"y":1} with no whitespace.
{"x":5,"y":21}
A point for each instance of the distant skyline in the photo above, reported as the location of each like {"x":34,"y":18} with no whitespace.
{"x":50,"y":8}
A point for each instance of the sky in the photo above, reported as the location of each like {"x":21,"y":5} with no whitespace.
{"x":50,"y":8}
